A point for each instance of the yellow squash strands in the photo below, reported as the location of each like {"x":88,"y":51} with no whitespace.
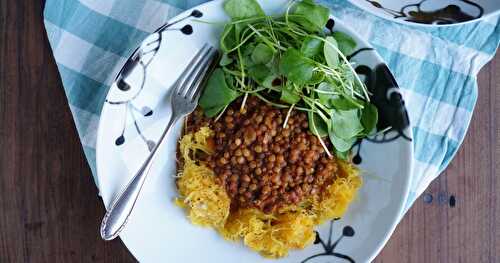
{"x":206,"y":202}
{"x":272,"y":235}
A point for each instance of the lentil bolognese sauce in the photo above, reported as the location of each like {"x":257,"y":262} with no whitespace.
{"x":261,"y":162}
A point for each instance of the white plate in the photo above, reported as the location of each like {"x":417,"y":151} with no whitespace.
{"x":430,"y":12}
{"x":158,"y":231}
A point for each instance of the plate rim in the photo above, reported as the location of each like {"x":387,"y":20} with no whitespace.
{"x":357,"y":4}
{"x":409,"y":149}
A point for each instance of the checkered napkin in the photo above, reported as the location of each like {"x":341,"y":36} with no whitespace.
{"x":436,"y":68}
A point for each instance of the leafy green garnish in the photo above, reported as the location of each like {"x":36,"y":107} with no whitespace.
{"x":262,"y":54}
{"x":311,"y":16}
{"x":345,"y":42}
{"x":311,"y":47}
{"x":258,"y":73}
{"x":369,"y":118}
{"x":225,"y":60}
{"x":268,"y":81}
{"x":326,"y":92}
{"x":217,"y":95}
{"x":239,"y":9}
{"x":318,"y":126}
{"x":342,"y":155}
{"x":317,"y":77}
{"x":228,"y":38}
{"x":346,"y":124}
{"x":296,"y":67}
{"x":341,"y":145}
{"x":289,"y":61}
{"x":331,"y":54}
{"x":289,"y":95}
{"x":342,"y":102}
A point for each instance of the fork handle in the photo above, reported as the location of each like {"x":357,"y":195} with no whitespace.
{"x":117,"y":216}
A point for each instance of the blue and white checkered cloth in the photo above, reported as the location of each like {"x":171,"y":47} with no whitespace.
{"x":435,"y":67}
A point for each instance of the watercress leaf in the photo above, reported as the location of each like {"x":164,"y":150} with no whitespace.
{"x":247,"y":61}
{"x":296,"y":67}
{"x":369,"y":117}
{"x":342,"y":155}
{"x":331,"y":55}
{"x":324,"y":97}
{"x":345,"y":103}
{"x":238,"y":28}
{"x":317,"y":77}
{"x":345,"y":42}
{"x":212,"y":112}
{"x":341,"y":145}
{"x":239,"y":9}
{"x":271,"y":81}
{"x":339,"y":102}
{"x":230,"y":81}
{"x":346,"y":124}
{"x":248,"y":48}
{"x":289,"y":95}
{"x":262,"y":54}
{"x":358,"y":87}
{"x":274,"y":67}
{"x":225,"y":60}
{"x":228,"y":38}
{"x":313,"y":17}
{"x":349,"y":79}
{"x":316,"y":125}
{"x":258,"y":73}
{"x":311,"y":47}
{"x":246,"y":53}
{"x":217,"y":94}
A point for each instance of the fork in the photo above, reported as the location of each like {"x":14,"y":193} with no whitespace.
{"x":184,"y":98}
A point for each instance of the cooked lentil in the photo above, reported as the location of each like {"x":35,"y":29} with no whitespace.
{"x":260,"y":163}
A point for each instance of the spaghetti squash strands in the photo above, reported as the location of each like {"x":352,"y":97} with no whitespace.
{"x":206,"y":202}
{"x":271,"y":235}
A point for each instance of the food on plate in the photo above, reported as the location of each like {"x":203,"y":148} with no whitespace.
{"x":265,"y":157}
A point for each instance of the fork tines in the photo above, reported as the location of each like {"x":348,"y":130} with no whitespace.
{"x":188,"y":84}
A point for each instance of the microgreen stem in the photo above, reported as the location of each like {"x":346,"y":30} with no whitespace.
{"x":367,"y":97}
{"x":269,"y":43}
{"x":319,"y":137}
{"x":288,"y":116}
{"x":243,"y":102}
{"x":221,"y":113}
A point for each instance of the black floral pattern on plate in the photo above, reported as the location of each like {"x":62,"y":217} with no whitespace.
{"x":449,"y":14}
{"x":142,"y":57}
{"x":329,"y":247}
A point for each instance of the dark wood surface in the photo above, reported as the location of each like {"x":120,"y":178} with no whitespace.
{"x":50,"y":211}
{"x":469,"y":231}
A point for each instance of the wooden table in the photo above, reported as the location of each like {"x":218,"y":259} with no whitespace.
{"x":50,"y":211}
